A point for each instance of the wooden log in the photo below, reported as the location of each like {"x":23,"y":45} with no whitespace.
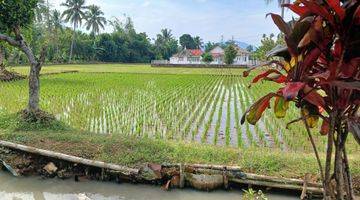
{"x":69,"y":158}
{"x":218,"y":169}
{"x":293,"y":181}
{"x":256,"y":177}
{"x":312,"y":190}
{"x":205,"y":166}
{"x":304,"y":190}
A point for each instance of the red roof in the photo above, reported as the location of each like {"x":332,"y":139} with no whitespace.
{"x":196,"y":52}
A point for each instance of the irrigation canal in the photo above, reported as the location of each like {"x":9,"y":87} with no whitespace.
{"x":35,"y":188}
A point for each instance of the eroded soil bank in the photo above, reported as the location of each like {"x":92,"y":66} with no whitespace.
{"x":200,"y":177}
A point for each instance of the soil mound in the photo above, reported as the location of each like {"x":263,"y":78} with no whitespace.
{"x":7,"y":76}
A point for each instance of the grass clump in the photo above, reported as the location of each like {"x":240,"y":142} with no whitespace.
{"x":31,"y":121}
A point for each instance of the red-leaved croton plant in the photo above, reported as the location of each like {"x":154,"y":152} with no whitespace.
{"x":320,"y":72}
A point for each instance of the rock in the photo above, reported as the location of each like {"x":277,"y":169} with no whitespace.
{"x":175,"y":181}
{"x":149,"y":175}
{"x":11,"y":169}
{"x":63,"y":174}
{"x":83,"y":197}
{"x":205,"y":182}
{"x":156,"y":168}
{"x":50,"y":168}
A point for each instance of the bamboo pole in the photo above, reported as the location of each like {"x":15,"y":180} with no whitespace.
{"x":205,"y":166}
{"x":74,"y":159}
{"x":313,"y":190}
{"x":256,"y":177}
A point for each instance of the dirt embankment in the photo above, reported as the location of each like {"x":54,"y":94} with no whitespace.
{"x":201,"y":177}
{"x":7,"y":76}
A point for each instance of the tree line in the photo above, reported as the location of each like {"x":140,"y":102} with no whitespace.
{"x":72,"y":45}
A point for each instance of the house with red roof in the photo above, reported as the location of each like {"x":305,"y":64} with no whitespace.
{"x":193,"y":56}
{"x":187,"y":56}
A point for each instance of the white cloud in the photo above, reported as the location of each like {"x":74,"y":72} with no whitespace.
{"x":245,"y":19}
{"x":146,"y":4}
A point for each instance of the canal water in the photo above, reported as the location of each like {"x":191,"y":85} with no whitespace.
{"x":35,"y":188}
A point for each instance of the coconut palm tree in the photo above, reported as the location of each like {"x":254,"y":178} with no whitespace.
{"x":57,"y":25}
{"x":56,"y":21}
{"x":280,"y":2}
{"x":198,"y":42}
{"x":95,"y":19}
{"x":40,"y":10}
{"x":74,"y":14}
{"x":166,"y":34}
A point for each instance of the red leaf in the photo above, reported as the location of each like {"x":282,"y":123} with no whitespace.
{"x":265,"y":74}
{"x":280,"y":23}
{"x":337,"y":48}
{"x":317,"y":9}
{"x":315,"y":98}
{"x":348,"y":70}
{"x":272,"y":62}
{"x":352,"y":85}
{"x":325,"y":128}
{"x":300,"y":10}
{"x":335,"y":4}
{"x":357,"y":16}
{"x":291,"y":90}
{"x":277,"y":78}
{"x":305,"y":40}
{"x":254,"y":113}
{"x":311,"y":58}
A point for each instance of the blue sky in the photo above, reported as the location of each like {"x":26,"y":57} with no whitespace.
{"x":210,"y":19}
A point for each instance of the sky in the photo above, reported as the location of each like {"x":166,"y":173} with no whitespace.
{"x":243,"y":20}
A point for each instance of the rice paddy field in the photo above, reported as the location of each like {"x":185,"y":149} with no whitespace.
{"x":179,"y":104}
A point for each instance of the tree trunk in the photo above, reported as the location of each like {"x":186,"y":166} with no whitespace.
{"x":2,"y":66}
{"x":72,"y":43}
{"x":34,"y":88}
{"x":329,"y":150}
{"x":342,"y":189}
{"x":35,"y":67}
{"x":339,"y":169}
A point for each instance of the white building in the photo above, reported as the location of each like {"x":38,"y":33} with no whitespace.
{"x":242,"y":57}
{"x":193,"y":56}
{"x":187,"y":56}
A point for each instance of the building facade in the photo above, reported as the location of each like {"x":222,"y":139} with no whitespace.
{"x":193,"y":56}
{"x":187,"y":56}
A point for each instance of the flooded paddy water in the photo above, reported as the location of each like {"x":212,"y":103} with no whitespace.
{"x":199,"y":108}
{"x":35,"y":188}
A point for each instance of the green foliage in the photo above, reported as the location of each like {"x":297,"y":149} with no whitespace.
{"x":94,"y":19}
{"x":210,"y":46}
{"x":16,"y":122}
{"x":187,"y":41}
{"x":251,"y":194}
{"x":16,"y":14}
{"x":250,"y":48}
{"x":207,"y":58}
{"x":267,"y":44}
{"x":230,"y":54}
{"x":165,"y":45}
{"x":75,"y":12}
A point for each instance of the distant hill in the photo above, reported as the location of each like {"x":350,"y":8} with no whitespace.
{"x":242,"y":44}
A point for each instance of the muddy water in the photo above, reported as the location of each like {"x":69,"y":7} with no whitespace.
{"x":34,"y":188}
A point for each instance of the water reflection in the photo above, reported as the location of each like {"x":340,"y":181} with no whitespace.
{"x":33,"y":188}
